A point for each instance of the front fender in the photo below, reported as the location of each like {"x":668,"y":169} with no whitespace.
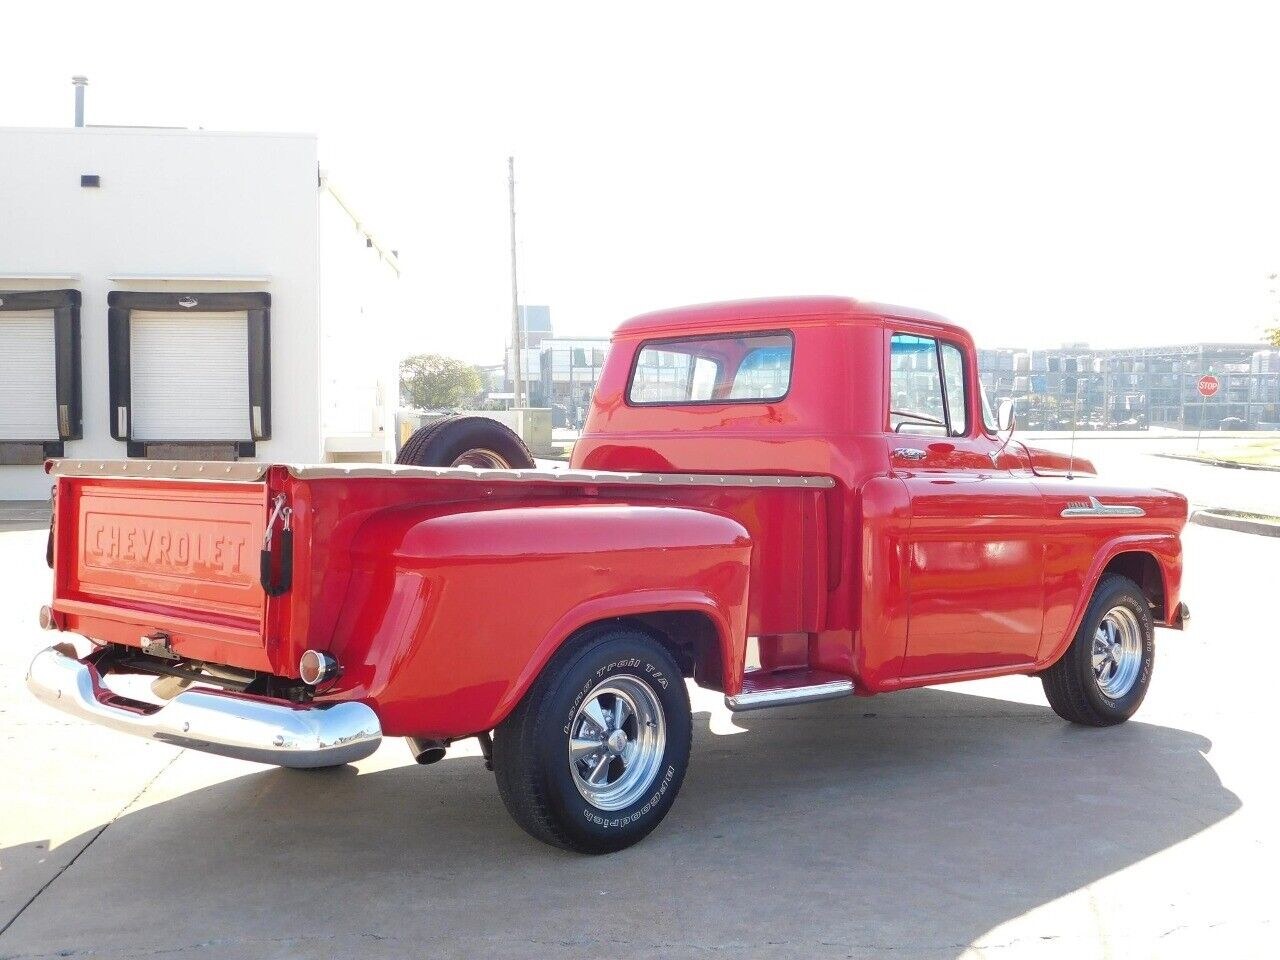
{"x":453,"y":612}
{"x":1165,"y":548}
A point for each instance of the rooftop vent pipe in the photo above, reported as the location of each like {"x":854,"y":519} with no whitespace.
{"x":79,"y":83}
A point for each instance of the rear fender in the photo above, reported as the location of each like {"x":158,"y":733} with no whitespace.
{"x":729,"y":623}
{"x":452,"y":613}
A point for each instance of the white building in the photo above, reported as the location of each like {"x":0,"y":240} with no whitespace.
{"x":186,"y":294}
{"x":571,"y":368}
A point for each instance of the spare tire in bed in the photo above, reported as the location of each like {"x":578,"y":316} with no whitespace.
{"x":466,"y":442}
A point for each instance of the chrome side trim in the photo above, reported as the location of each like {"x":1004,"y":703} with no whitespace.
{"x":213,"y":721}
{"x":253,"y":472}
{"x":1095,"y":509}
{"x":784,"y":696}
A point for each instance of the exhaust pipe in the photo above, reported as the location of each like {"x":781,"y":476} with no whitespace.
{"x":166,"y":688}
{"x":426,"y":751}
{"x":79,"y":83}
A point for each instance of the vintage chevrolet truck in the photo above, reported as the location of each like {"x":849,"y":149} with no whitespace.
{"x":784,"y":500}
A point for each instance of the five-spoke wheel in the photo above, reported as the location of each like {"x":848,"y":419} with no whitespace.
{"x":1117,"y":652}
{"x":592,"y":757}
{"x":616,"y":742}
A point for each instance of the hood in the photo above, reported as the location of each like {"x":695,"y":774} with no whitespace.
{"x":1052,"y":463}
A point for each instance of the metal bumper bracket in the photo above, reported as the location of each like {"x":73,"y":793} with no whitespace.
{"x":213,"y":721}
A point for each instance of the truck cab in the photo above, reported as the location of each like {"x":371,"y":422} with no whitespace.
{"x":958,"y":526}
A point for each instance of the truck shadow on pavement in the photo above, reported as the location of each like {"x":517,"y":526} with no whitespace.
{"x":907,"y":825}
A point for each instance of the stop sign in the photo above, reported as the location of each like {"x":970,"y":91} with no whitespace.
{"x":1207,"y":385}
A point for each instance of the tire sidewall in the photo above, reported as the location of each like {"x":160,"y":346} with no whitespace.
{"x":648,"y":663}
{"x":445,"y":441}
{"x":1119,"y":594}
{"x":473,"y":433}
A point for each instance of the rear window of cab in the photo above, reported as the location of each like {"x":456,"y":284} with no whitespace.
{"x":750,"y":368}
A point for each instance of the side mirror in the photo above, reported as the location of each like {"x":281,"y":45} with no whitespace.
{"x":1005,"y":417}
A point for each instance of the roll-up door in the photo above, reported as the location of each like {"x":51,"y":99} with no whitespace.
{"x":28,"y":377}
{"x":189,"y":376}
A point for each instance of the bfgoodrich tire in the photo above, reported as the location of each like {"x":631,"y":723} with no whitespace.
{"x":466,"y":442}
{"x":1103,"y":676}
{"x":592,"y":758}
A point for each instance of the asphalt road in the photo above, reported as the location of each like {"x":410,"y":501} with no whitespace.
{"x":965,"y":821}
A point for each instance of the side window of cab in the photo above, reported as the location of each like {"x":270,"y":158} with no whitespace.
{"x":927,"y":394}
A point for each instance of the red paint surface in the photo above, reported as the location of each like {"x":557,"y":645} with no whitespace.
{"x":443,"y":599}
{"x":132,"y":558}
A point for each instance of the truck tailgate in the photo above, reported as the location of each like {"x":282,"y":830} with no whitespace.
{"x":179,"y":559}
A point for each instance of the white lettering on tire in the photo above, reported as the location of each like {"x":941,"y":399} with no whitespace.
{"x":590,"y":814}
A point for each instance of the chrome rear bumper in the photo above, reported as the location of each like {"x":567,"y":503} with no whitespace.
{"x":214,"y":721}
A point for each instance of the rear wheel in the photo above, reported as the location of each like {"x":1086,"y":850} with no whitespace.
{"x":592,"y":758}
{"x":1103,"y":676}
{"x":466,"y":442}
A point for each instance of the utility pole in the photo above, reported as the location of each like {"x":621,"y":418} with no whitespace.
{"x":516,"y":380}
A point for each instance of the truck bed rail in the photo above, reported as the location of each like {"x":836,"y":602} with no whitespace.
{"x":253,"y":472}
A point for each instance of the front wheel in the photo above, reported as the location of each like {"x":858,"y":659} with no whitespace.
{"x":592,"y":758}
{"x":1103,"y":676}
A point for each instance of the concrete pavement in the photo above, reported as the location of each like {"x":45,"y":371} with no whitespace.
{"x":965,"y":821}
{"x":24,"y":514}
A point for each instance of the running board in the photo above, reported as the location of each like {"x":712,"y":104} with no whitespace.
{"x":788,"y":687}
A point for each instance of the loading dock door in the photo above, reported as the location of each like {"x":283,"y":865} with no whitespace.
{"x":28,"y":377}
{"x":189,"y":376}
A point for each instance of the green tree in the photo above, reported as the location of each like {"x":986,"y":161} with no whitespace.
{"x":434,"y":380}
{"x":1273,"y":335}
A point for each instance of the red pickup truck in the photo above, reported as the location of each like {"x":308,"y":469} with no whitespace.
{"x":783,"y":500}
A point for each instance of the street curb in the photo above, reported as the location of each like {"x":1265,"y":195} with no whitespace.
{"x":1211,"y":518}
{"x":1229,"y":464}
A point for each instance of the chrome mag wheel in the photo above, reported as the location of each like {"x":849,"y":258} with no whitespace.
{"x":1117,"y":652}
{"x":616,"y":742}
{"x":481,"y":459}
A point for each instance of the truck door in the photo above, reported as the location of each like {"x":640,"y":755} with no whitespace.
{"x":975,"y":554}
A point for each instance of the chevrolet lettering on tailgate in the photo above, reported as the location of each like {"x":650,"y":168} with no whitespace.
{"x":179,"y":546}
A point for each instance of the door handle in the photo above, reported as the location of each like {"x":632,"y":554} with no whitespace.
{"x":909,"y":453}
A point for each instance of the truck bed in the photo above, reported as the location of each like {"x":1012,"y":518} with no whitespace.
{"x":171,"y":549}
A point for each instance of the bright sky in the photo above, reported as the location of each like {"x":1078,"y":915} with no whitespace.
{"x":1099,"y":172}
